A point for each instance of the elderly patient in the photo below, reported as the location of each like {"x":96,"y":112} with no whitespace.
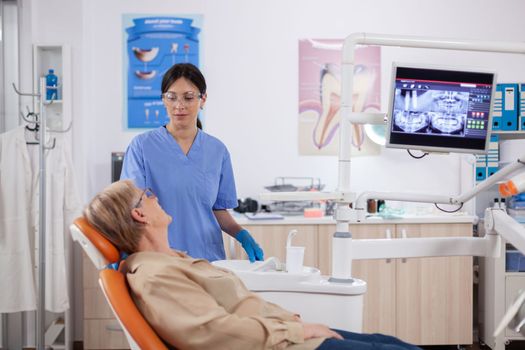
{"x":192,"y":304}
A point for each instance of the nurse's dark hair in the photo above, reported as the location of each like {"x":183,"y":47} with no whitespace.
{"x":110,"y":213}
{"x":189,"y":72}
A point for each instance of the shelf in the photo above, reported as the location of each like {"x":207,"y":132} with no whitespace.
{"x":509,"y":134}
{"x":514,"y":274}
{"x":58,"y":114}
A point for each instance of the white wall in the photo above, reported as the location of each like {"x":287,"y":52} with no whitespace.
{"x":9,"y":66}
{"x":250,"y":57}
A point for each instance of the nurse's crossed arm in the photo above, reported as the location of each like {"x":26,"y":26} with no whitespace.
{"x":231,"y":227}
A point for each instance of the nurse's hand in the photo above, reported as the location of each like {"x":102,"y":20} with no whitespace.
{"x":250,"y":246}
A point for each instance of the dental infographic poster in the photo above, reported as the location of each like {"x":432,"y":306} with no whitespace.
{"x":320,"y":96}
{"x":152,"y":45}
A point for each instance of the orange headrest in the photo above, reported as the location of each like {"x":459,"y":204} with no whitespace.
{"x":105,"y":247}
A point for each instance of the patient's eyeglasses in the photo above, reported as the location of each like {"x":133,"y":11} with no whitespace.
{"x":188,"y":98}
{"x":149,"y":194}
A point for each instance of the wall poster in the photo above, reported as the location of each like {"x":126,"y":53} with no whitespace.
{"x":152,"y":44}
{"x":320,"y":95}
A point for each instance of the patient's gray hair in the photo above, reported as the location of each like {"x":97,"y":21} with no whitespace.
{"x":110,"y":213}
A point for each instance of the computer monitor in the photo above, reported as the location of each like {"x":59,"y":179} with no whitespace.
{"x":440,"y":109}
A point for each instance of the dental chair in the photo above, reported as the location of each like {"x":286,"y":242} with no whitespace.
{"x":102,"y":252}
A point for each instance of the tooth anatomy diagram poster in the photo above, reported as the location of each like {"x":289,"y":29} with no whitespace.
{"x":152,"y":44}
{"x":320,"y":95}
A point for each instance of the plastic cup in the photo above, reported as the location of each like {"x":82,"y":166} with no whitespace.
{"x":294,"y":259}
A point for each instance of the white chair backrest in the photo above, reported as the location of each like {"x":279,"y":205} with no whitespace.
{"x":98,"y":259}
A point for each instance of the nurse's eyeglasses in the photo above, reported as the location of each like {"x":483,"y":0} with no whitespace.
{"x":149,"y":194}
{"x":188,"y":98}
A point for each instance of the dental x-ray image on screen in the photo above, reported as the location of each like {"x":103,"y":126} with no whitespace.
{"x":430,"y":111}
{"x":440,"y":109}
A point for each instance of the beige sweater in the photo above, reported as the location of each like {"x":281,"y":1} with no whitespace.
{"x":195,"y":305}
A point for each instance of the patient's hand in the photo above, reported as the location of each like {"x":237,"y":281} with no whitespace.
{"x":312,"y":330}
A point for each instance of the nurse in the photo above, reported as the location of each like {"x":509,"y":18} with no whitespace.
{"x":190,"y":171}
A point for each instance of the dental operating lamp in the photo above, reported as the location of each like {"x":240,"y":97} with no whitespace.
{"x":497,"y":223}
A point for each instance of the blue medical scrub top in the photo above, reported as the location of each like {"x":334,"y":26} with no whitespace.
{"x":189,"y":187}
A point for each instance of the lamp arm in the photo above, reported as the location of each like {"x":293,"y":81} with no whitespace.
{"x":501,"y":174}
{"x":430,"y":198}
{"x":497,"y":221}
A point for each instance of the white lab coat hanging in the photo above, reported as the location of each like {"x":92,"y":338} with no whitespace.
{"x":19,"y":220}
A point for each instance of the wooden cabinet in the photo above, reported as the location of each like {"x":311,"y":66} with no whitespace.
{"x":434,"y":295}
{"x":425,"y":301}
{"x":101,"y":328}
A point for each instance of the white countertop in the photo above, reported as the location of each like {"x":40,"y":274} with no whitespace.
{"x":300,"y":220}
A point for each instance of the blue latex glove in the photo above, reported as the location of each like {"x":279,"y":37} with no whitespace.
{"x":250,"y":246}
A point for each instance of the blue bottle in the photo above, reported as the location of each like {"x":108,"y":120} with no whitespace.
{"x":51,"y":85}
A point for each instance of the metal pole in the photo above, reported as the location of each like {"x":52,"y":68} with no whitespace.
{"x":41,"y":309}
{"x":2,"y":73}
{"x":4,"y":331}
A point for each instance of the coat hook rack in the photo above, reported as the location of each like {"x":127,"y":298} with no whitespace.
{"x":40,"y":312}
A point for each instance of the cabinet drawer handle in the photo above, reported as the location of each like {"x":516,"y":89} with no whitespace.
{"x":388,"y":235}
{"x":114,"y":328}
{"x":404,"y":236}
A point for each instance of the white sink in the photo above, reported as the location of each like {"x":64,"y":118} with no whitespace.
{"x":268,"y":274}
